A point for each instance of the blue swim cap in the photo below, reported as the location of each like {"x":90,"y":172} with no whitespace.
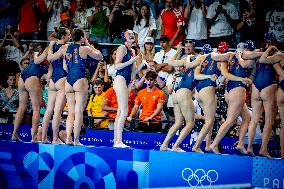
{"x":269,"y":37}
{"x":249,"y":44}
{"x":206,"y":49}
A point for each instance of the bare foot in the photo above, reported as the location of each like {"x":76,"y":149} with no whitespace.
{"x":264,"y":153}
{"x":120,"y":145}
{"x":69,"y":141}
{"x":250,"y":152}
{"x":195,"y":149}
{"x":164,"y":148}
{"x":16,"y":138}
{"x":242,"y":150}
{"x":77,"y":143}
{"x":207,"y":149}
{"x":58,"y":141}
{"x":214,"y":149}
{"x":177,"y":149}
{"x":45,"y":141}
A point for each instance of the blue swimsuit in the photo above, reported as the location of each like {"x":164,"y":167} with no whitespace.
{"x":188,"y":80}
{"x":34,"y":69}
{"x":236,"y":69}
{"x":265,"y":75}
{"x":126,"y":71}
{"x":76,"y":66}
{"x":57,"y":66}
{"x":208,"y":67}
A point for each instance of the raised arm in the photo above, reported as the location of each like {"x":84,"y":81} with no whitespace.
{"x":196,"y":62}
{"x":118,"y":64}
{"x":245,"y":63}
{"x":92,"y":51}
{"x":54,"y":56}
{"x":270,"y":51}
{"x":221,"y":57}
{"x":251,"y":54}
{"x":40,"y":58}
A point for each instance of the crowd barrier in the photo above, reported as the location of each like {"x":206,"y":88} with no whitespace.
{"x":27,"y":165}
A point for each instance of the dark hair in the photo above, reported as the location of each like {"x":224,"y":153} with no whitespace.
{"x":147,"y":16}
{"x":98,"y":82}
{"x":24,"y":60}
{"x":61,"y":32}
{"x":151,"y":75}
{"x":111,"y":61}
{"x":77,"y":35}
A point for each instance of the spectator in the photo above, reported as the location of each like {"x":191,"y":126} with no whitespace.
{"x":275,"y":22}
{"x":151,"y":100}
{"x":172,"y":83}
{"x":222,"y":17}
{"x":172,"y":22}
{"x":101,"y":73}
{"x":13,"y":51}
{"x":9,"y":96}
{"x":110,"y":64}
{"x":65,"y":22}
{"x":166,"y":53}
{"x":80,"y":18}
{"x":197,"y":26}
{"x":8,"y":15}
{"x":110,"y":105}
{"x":144,"y":25}
{"x":54,"y":9}
{"x":141,"y":82}
{"x":98,"y":19}
{"x":250,"y":24}
{"x":148,"y":49}
{"x":32,"y":18}
{"x":121,"y":19}
{"x":94,"y":106}
{"x":189,"y":48}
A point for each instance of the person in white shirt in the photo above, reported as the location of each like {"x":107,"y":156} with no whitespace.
{"x":165,"y":54}
{"x":197,"y":26}
{"x":80,"y":18}
{"x":144,"y":25}
{"x":222,"y":17}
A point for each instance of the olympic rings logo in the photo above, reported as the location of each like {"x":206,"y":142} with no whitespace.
{"x":199,"y":177}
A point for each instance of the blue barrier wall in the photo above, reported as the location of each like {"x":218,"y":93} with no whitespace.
{"x":27,"y":165}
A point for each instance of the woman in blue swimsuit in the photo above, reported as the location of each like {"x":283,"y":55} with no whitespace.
{"x":56,"y":90}
{"x":182,"y":99}
{"x":76,"y":85}
{"x":264,"y":90}
{"x":278,"y":61}
{"x":237,"y":72}
{"x":124,"y":65}
{"x":29,"y":86}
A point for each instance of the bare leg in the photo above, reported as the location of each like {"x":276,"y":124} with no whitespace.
{"x":174,"y":128}
{"x":184,"y":98}
{"x":81,"y":95}
{"x":209,"y":104}
{"x":33,"y":86}
{"x":48,"y":112}
{"x":236,"y":99}
{"x":23,"y":100}
{"x":268,"y":96}
{"x":122,"y":99}
{"x":243,"y":129}
{"x":280,"y":103}
{"x":59,"y":105}
{"x":71,"y":112}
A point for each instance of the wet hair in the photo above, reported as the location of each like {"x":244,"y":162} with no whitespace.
{"x":98,"y":82}
{"x":151,"y":75}
{"x":61,"y":32}
{"x":24,"y":60}
{"x":77,"y":35}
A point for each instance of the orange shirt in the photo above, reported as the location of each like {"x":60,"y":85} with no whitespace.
{"x":111,"y":100}
{"x":149,"y":102}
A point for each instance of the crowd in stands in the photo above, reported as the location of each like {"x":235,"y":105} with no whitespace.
{"x":25,"y":24}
